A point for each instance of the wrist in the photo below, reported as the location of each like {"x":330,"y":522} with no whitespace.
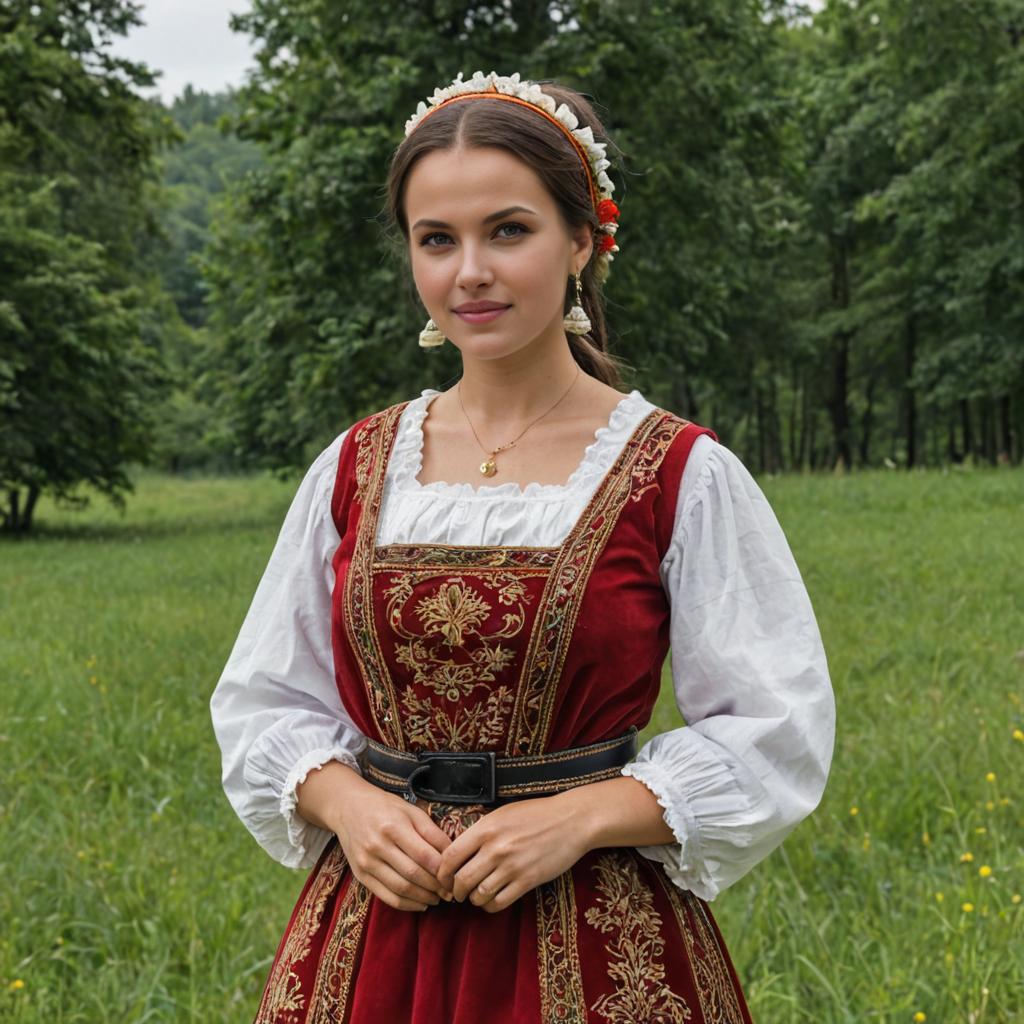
{"x":615,"y":812}
{"x":325,"y":794}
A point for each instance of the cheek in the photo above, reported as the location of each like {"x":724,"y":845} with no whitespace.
{"x":429,"y":274}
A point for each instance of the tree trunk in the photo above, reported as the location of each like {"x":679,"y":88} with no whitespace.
{"x":805,"y":421}
{"x":1005,"y":430}
{"x":777,"y":454}
{"x":865,"y":421}
{"x":30,"y":507}
{"x":838,"y":399}
{"x":909,"y":355}
{"x":988,"y":441}
{"x":762,"y":455}
{"x":965,"y":427}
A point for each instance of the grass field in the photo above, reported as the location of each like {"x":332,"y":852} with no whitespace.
{"x":132,"y":893}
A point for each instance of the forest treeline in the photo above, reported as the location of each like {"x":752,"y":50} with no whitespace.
{"x":822,"y":228}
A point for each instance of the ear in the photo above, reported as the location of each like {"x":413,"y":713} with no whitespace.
{"x":582,"y":246}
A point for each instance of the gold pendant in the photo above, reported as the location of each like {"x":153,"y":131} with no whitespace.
{"x":488,"y":468}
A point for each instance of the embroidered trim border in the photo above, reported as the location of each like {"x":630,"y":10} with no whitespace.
{"x":631,"y":475}
{"x":392,"y":555}
{"x":283,"y":992}
{"x":624,"y":910}
{"x":373,"y":442}
{"x":337,"y":964}
{"x":558,"y":963}
{"x":711,"y":978}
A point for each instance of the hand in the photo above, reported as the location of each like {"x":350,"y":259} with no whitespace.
{"x":509,"y":851}
{"x":393,"y":847}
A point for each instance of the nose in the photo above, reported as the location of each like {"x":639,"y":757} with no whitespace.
{"x":474,"y":268}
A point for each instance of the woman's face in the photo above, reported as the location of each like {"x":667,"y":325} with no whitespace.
{"x":461,"y":253}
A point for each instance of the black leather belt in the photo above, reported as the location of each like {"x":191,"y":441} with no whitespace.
{"x":481,"y":777}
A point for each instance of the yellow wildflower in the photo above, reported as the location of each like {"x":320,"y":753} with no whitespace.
{"x":854,"y":811}
{"x":919,"y":1018}
{"x":1018,"y":735}
{"x":16,"y":984}
{"x":984,"y":871}
{"x":966,"y":858}
{"x":989,"y":805}
{"x":1015,"y":898}
{"x":967,"y":908}
{"x":990,"y":777}
{"x":939,"y":897}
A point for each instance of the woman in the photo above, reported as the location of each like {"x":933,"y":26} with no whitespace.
{"x":434,"y":699}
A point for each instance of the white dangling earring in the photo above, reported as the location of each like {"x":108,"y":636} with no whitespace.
{"x":576,"y":320}
{"x":431,"y":336}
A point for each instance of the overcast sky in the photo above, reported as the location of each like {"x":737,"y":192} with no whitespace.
{"x":190,"y":42}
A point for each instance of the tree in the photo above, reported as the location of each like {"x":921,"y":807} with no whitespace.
{"x":79,"y":359}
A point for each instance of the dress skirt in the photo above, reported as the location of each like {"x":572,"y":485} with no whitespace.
{"x":610,"y":940}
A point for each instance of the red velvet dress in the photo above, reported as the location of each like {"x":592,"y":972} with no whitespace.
{"x":520,"y":651}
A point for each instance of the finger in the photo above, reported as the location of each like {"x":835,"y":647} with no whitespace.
{"x":425,"y":825}
{"x":486,"y":889}
{"x":383,"y":893}
{"x":402,"y":886}
{"x":467,"y":878}
{"x":454,"y":859}
{"x":408,"y":860}
{"x":505,"y":896}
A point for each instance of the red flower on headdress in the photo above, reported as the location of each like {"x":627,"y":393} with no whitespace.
{"x":607,"y":211}
{"x":607,"y":242}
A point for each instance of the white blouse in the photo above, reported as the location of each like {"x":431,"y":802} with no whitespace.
{"x":748,"y":667}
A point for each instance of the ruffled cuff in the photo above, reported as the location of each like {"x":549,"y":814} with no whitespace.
{"x":704,"y":805}
{"x":308,"y":839}
{"x":275,"y":766}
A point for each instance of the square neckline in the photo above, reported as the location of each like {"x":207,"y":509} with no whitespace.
{"x":538,"y":550}
{"x":411,"y":443}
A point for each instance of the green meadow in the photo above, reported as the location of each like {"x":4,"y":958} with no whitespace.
{"x":132,"y":893}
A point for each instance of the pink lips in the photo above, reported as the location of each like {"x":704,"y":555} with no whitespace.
{"x":483,"y":317}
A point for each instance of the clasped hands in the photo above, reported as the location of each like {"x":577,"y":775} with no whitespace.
{"x":398,"y":851}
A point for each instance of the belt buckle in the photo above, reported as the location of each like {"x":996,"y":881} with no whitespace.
{"x":470,"y":774}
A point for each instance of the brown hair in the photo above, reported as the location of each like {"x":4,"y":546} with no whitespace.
{"x":544,"y":147}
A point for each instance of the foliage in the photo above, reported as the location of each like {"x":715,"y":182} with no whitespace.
{"x":79,"y":349}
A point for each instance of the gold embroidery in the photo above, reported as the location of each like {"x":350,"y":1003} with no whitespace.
{"x":439,"y":555}
{"x":454,"y":819}
{"x":632,"y":473}
{"x":626,"y":909}
{"x":335,"y":973}
{"x":558,"y":966}
{"x":453,"y":610}
{"x":714,"y":985}
{"x":373,"y":443}
{"x":283,"y":999}
{"x":480,"y":727}
{"x":454,"y":656}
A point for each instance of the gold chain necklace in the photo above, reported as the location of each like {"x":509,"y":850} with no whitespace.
{"x":488,"y":467}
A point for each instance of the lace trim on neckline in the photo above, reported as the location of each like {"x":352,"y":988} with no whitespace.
{"x":407,"y":455}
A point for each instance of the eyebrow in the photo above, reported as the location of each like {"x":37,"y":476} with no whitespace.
{"x":487,"y":220}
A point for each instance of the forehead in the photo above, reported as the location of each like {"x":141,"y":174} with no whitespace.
{"x":471,"y":182}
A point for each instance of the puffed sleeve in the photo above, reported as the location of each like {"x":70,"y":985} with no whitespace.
{"x":276,"y":710}
{"x":750,"y":679}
